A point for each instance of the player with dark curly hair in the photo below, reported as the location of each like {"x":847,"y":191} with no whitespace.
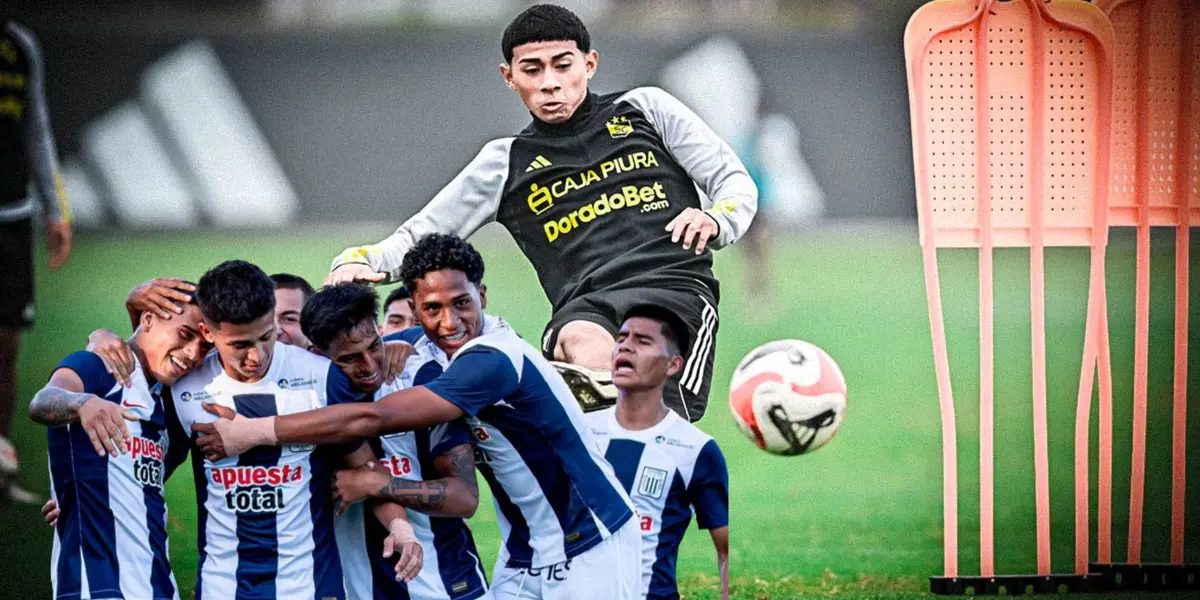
{"x":600,"y":194}
{"x":567,"y":521}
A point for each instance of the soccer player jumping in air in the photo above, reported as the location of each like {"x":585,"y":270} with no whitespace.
{"x":567,"y":525}
{"x":599,"y":192}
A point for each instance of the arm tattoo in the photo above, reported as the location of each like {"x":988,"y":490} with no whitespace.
{"x":459,"y":462}
{"x":53,"y":406}
{"x":422,"y":496}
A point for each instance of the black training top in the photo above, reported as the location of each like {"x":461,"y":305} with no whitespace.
{"x":588,"y":200}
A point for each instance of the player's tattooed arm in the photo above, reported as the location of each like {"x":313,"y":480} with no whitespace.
{"x":54,"y":406}
{"x":454,"y":494}
{"x":63,"y":402}
{"x":457,"y":467}
{"x":444,"y":497}
{"x":425,"y":496}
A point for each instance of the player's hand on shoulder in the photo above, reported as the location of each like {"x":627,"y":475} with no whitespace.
{"x":104,"y":423}
{"x":402,"y":539}
{"x":395,"y":354}
{"x":114,"y":352}
{"x":164,"y":297}
{"x":50,"y":512}
{"x":693,"y":226}
{"x":354,"y":273}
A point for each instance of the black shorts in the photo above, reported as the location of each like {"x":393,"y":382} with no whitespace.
{"x":16,"y":274}
{"x":687,"y":392}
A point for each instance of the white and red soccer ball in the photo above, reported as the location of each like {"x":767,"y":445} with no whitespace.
{"x":788,"y":397}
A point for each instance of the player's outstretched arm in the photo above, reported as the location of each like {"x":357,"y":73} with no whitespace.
{"x":406,"y":410}
{"x":63,"y":401}
{"x":467,"y":203}
{"x":720,"y":537}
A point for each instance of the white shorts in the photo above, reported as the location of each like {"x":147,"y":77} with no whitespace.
{"x":611,"y":570}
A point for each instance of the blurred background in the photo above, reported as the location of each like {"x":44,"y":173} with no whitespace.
{"x":236,"y":113}
{"x":281,"y":131}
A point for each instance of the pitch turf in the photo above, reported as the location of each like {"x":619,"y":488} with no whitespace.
{"x":860,"y":518}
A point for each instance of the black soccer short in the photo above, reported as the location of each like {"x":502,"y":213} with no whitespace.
{"x":687,"y":392}
{"x":16,"y":274}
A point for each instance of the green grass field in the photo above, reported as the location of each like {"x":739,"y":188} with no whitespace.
{"x":860,"y":518}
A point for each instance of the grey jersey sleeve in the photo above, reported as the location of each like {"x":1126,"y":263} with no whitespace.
{"x":708,"y":160}
{"x":467,"y":203}
{"x":39,"y":139}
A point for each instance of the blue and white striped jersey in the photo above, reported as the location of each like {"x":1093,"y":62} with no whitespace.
{"x":556,"y":496}
{"x":452,"y":569}
{"x":669,"y":470}
{"x":265,"y":523}
{"x":111,"y":536}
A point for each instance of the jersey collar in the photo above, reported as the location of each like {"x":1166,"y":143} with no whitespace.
{"x":582,"y":114}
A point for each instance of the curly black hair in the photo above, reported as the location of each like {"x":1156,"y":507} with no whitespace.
{"x":437,"y":252}
{"x":337,"y":309}
{"x":235,"y":292}
{"x":544,"y":23}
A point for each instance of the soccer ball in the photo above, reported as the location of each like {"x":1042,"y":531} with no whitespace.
{"x":788,"y":397}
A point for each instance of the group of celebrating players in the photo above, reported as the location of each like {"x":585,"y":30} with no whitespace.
{"x":587,"y":444}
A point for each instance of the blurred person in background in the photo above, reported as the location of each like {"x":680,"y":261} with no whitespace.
{"x":788,"y":195}
{"x":600,"y":194}
{"x":27,"y":154}
{"x":397,"y":311}
{"x":291,"y":292}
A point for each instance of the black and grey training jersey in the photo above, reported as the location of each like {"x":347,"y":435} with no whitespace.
{"x":26,"y":144}
{"x":588,"y":201}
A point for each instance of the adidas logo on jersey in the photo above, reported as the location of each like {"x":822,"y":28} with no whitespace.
{"x":537,"y":163}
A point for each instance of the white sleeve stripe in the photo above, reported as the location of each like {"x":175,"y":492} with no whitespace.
{"x":467,"y":203}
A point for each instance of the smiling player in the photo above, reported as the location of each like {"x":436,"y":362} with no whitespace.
{"x":109,"y":447}
{"x":566,"y":523}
